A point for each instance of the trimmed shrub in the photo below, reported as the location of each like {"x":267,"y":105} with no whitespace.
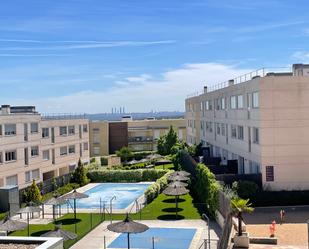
{"x":125,"y":175}
{"x":245,"y":189}
{"x":155,"y":189}
{"x":92,"y":160}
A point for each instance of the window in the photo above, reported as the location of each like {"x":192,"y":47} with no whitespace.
{"x":71,"y":129}
{"x":45,"y":132}
{"x":207,"y":105}
{"x":270,"y":174}
{"x":71,"y":149}
{"x":34,"y":151}
{"x":240,"y":132}
{"x":210,"y":104}
{"x":10,"y":129}
{"x":233,"y":131}
{"x":218,"y":128}
{"x":85,"y":128}
{"x":72,"y":167}
{"x":223,"y":129}
{"x":96,"y":151}
{"x":11,"y":180}
{"x":36,"y":174}
{"x":255,"y":100}
{"x":63,"y":151}
{"x":240,"y":101}
{"x":32,"y":175}
{"x":223,"y":103}
{"x":10,"y":156}
{"x":0,"y":130}
{"x":1,"y":157}
{"x":45,"y":154}
{"x":217,"y":104}
{"x":96,"y":139}
{"x":86,"y":146}
{"x":233,"y":102}
{"x":63,"y":131}
{"x":256,"y":138}
{"x":34,"y":127}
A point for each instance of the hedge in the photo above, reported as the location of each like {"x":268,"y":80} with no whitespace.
{"x":126,"y":175}
{"x":155,"y":189}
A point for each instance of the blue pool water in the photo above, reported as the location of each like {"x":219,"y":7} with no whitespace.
{"x":125,"y":194}
{"x":164,"y":238}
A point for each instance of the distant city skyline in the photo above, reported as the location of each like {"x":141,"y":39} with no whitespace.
{"x":92,"y":56}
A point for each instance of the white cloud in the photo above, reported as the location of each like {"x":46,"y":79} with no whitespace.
{"x":302,"y":56}
{"x":167,"y":93}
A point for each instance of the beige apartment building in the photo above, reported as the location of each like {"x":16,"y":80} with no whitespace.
{"x":260,"y":119}
{"x":37,"y":147}
{"x":139,"y":135}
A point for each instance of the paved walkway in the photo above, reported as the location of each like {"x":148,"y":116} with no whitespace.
{"x":95,"y":239}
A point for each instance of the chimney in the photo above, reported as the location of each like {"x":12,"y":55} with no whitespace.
{"x":5,"y":109}
{"x":205,"y":89}
{"x":231,"y":82}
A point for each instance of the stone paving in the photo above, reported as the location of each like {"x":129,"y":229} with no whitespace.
{"x":95,"y":239}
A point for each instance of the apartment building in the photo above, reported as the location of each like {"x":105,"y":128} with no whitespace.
{"x":259,"y":119}
{"x":140,"y":135}
{"x":37,"y":147}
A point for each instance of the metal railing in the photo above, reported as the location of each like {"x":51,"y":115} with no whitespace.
{"x":62,"y":116}
{"x":262,"y":72}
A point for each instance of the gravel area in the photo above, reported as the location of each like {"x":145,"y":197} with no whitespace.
{"x":287,"y":233}
{"x":18,"y":246}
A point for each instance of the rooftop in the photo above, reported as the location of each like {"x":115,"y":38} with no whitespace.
{"x":295,"y":70}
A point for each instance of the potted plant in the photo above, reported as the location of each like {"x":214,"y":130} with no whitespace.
{"x":240,"y":206}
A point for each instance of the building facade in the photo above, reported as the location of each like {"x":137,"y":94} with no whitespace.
{"x":140,"y":135}
{"x":261,"y":121}
{"x":37,"y":147}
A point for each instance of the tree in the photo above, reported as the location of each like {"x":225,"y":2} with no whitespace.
{"x":167,"y":142}
{"x":33,"y":193}
{"x":79,"y":175}
{"x":125,"y":153}
{"x":240,"y":206}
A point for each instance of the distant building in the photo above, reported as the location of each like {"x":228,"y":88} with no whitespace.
{"x":140,"y":135}
{"x":260,"y":120}
{"x":36,"y":147}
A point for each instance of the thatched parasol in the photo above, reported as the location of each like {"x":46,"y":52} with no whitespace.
{"x":74,"y":196}
{"x":10,"y":225}
{"x":59,"y":233}
{"x":180,"y":173}
{"x":177,"y":184}
{"x":178,"y":178}
{"x":176,"y":191}
{"x":28,"y":210}
{"x":127,"y":226}
{"x":55,"y":202}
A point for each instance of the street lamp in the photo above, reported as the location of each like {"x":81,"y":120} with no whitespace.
{"x":206,"y":219}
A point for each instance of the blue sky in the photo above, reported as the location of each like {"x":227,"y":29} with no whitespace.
{"x":92,"y":55}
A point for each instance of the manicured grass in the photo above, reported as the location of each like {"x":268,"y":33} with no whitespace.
{"x":166,"y":166}
{"x":162,"y":208}
{"x":2,"y":215}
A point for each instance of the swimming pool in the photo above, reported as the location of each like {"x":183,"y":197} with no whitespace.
{"x":164,"y":238}
{"x":125,"y":194}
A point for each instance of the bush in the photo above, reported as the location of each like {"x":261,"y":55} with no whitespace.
{"x":104,"y":161}
{"x":79,"y":175}
{"x":125,"y":153}
{"x":245,"y":189}
{"x":92,"y":160}
{"x":125,"y":175}
{"x":33,"y":193}
{"x":155,"y":189}
{"x":141,"y":155}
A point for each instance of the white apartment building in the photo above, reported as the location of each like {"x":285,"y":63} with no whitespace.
{"x":37,"y":147}
{"x":262,"y":120}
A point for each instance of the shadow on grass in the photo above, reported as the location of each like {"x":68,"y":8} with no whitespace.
{"x":39,"y":233}
{"x":172,"y":200}
{"x":68,"y":221}
{"x":170,"y":217}
{"x":172,"y":210}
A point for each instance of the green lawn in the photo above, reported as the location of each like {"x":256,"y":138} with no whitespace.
{"x":166,"y":166}
{"x":163,"y":208}
{"x":2,"y":215}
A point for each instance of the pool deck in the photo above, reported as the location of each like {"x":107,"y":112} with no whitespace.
{"x":95,"y":239}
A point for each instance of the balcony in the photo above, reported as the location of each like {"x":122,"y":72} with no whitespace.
{"x":140,"y":140}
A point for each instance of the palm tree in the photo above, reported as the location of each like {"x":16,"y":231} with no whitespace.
{"x":240,"y":206}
